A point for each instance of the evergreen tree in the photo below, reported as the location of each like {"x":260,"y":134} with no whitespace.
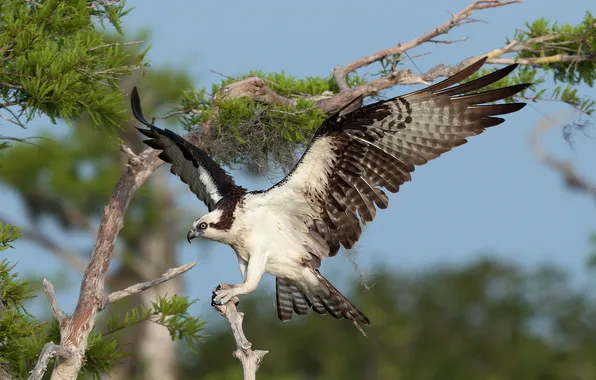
{"x":57,"y":61}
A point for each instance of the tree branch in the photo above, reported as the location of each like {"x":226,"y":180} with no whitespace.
{"x":565,"y":169}
{"x":250,"y":359}
{"x":462,"y":17}
{"x":257,"y":89}
{"x":49,"y":351}
{"x":137,"y":288}
{"x":544,"y":60}
{"x":254,"y":88}
{"x":75,"y":330}
{"x":48,"y":287}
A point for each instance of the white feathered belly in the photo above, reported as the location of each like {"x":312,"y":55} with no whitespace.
{"x":281,"y":237}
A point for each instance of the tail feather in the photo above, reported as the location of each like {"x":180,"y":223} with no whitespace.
{"x":329,"y":300}
{"x":300,"y":301}
{"x":340,"y":307}
{"x":317,"y":305}
{"x":289,"y":299}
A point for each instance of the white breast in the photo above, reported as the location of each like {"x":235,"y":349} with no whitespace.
{"x":275,"y":231}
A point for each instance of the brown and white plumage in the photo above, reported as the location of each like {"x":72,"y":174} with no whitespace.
{"x":338,"y":184}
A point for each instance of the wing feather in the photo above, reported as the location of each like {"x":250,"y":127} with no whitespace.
{"x":205,"y":178}
{"x":358,"y":152}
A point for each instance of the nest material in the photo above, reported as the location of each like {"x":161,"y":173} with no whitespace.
{"x":265,"y":139}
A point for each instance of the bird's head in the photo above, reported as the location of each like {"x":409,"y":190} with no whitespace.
{"x":209,"y":227}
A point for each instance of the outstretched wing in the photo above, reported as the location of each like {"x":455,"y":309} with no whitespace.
{"x":204,"y":176}
{"x":354,"y":154}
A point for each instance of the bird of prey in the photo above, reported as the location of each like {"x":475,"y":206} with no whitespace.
{"x":335,"y":188}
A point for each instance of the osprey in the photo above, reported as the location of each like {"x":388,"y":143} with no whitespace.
{"x":290,"y":228}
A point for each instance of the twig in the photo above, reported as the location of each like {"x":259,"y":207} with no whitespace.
{"x":48,"y":287}
{"x":137,"y":288}
{"x":448,"y":42}
{"x":250,"y":359}
{"x":49,"y":351}
{"x":24,"y":140}
{"x":223,"y":75}
{"x":116,"y":44}
{"x":133,"y":159}
{"x":254,"y":88}
{"x":572,"y":178}
{"x":540,"y":99}
{"x":341,"y":73}
{"x":15,"y":122}
{"x":544,"y":60}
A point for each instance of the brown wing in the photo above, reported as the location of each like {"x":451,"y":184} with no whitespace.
{"x":354,"y":155}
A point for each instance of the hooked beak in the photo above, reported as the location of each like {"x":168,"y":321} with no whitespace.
{"x":191,"y":235}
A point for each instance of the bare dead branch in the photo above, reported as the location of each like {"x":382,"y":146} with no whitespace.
{"x":565,"y":169}
{"x":49,"y":351}
{"x":137,"y":288}
{"x":75,"y":330}
{"x":116,"y":44}
{"x":457,"y":19}
{"x":48,"y":287}
{"x":15,"y":122}
{"x":250,"y":359}
{"x":448,"y":42}
{"x":544,"y":60}
{"x":133,"y":159}
{"x":254,"y":88}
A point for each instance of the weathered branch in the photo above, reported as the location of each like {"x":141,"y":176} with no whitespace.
{"x":75,"y":330}
{"x":137,"y":288}
{"x":544,"y":60}
{"x":48,"y":287}
{"x":257,"y":89}
{"x":49,"y":351}
{"x":250,"y":359}
{"x":254,"y":88}
{"x":462,"y":17}
{"x":565,"y":169}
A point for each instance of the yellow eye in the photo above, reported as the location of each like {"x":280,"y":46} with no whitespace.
{"x":202,"y":226}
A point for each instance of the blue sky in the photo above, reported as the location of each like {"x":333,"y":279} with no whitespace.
{"x":490,"y":196}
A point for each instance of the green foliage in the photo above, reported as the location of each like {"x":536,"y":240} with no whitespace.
{"x":73,"y":175}
{"x":101,"y":355}
{"x":171,"y":313}
{"x":54,"y":61}
{"x":14,"y":290}
{"x":19,"y":331}
{"x":569,"y":40}
{"x":250,"y":132}
{"x":23,"y":337}
{"x":485,"y":320}
{"x":290,"y":86}
{"x":8,"y":234}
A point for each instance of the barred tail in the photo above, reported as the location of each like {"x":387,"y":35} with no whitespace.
{"x":289,"y":300}
{"x":328,"y":300}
